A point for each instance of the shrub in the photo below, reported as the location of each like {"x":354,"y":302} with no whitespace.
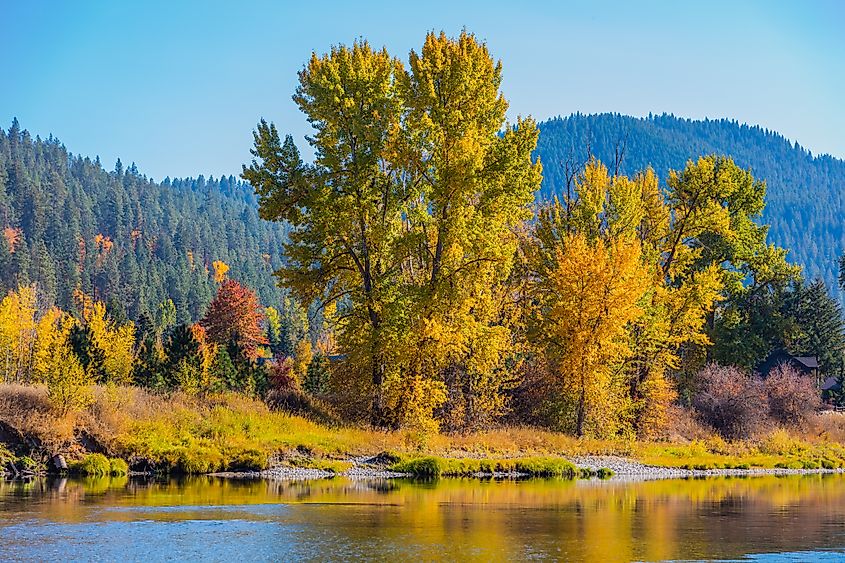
{"x":332,"y":465}
{"x":282,"y":377}
{"x":118,"y":466}
{"x":779,"y":442}
{"x":546,"y":467}
{"x":731,"y":401}
{"x":789,"y":465}
{"x":535,"y":466}
{"x":605,"y":473}
{"x":5,"y":455}
{"x":95,"y":465}
{"x":792,"y":397}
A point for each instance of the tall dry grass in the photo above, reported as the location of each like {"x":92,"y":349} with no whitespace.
{"x":230,"y":431}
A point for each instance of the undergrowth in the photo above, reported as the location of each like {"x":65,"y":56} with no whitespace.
{"x":187,"y":434}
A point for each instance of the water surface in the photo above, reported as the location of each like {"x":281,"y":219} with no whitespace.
{"x":761,"y":518}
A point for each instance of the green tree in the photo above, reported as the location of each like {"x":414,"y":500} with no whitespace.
{"x":404,"y":224}
{"x":346,"y":210}
{"x":820,"y":327}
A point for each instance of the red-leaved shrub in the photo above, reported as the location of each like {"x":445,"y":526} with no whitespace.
{"x":731,"y":401}
{"x":793,"y":397}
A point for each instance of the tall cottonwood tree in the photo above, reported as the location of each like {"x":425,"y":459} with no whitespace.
{"x":477,"y":180}
{"x":346,"y":209}
{"x":588,"y":293}
{"x":405,"y":217}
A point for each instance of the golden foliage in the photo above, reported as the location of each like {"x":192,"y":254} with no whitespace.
{"x":220,"y":270}
{"x":589,"y":295}
{"x":115,"y":342}
{"x":18,"y":332}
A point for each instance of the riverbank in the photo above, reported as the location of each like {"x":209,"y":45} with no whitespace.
{"x":602,"y":467}
{"x":234,"y":435}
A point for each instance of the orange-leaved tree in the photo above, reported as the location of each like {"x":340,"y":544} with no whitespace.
{"x":234,"y":316}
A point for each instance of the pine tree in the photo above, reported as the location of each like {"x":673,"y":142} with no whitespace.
{"x":818,"y":317}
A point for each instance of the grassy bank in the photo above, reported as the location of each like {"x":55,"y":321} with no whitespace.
{"x":546,"y":466}
{"x":188,"y":434}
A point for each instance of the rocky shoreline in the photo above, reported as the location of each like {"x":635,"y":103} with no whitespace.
{"x":623,"y":469}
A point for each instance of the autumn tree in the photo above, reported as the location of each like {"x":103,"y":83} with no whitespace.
{"x":115,"y":342}
{"x":69,"y":384}
{"x":705,"y":256}
{"x":234,"y":316}
{"x":404,"y":219}
{"x":345,"y":210}
{"x":716,"y":206}
{"x":221,"y":269}
{"x":589,"y":293}
{"x":18,"y":330}
{"x":477,"y":180}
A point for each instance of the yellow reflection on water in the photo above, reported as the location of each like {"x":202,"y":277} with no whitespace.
{"x":568,"y":520}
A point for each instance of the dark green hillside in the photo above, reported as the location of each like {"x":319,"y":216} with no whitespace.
{"x":805,"y":192}
{"x":132,"y":242}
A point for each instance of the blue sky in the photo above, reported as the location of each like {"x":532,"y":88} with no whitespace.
{"x":177,"y":87}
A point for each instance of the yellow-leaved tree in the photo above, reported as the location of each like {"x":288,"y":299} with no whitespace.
{"x":406,"y":220}
{"x":477,"y":180}
{"x":69,"y":384}
{"x":106,"y":347}
{"x":221,"y":269}
{"x":700,"y":248}
{"x":588,"y":294}
{"x":18,"y":332}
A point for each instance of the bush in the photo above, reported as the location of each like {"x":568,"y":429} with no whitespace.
{"x":781,"y":443}
{"x":546,"y":467}
{"x":94,"y":465}
{"x":792,"y":397}
{"x":731,"y":401}
{"x":461,"y":467}
{"x":282,"y":377}
{"x":118,"y":467}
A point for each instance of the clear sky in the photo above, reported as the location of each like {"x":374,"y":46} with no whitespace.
{"x":178,"y":86}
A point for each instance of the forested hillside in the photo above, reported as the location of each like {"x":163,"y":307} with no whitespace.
{"x":804,"y":203}
{"x":119,"y":237}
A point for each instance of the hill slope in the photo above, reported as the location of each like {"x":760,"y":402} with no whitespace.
{"x":131,"y":242}
{"x":805,"y":192}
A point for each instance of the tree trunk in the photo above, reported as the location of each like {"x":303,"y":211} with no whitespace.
{"x":579,"y":423}
{"x":377,"y":415}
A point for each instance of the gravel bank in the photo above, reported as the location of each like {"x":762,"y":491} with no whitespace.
{"x":623,"y":469}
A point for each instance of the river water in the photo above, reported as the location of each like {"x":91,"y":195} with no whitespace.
{"x":768,"y":518}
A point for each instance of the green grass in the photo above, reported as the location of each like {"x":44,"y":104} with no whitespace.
{"x":94,"y":465}
{"x":432,"y":466}
{"x":98,"y":465}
